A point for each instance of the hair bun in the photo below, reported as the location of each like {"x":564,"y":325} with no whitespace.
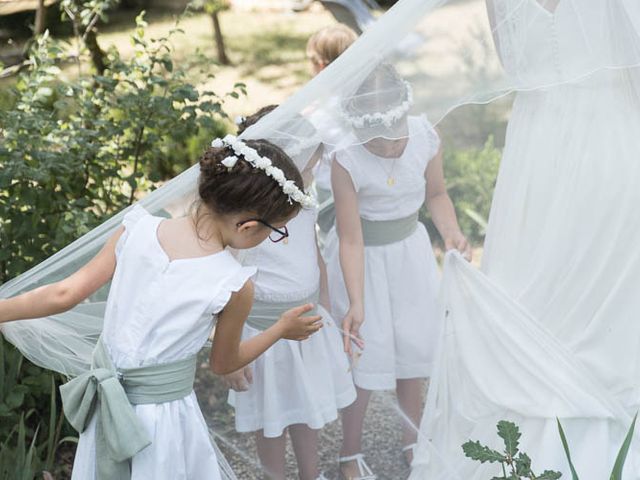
{"x":210,"y":162}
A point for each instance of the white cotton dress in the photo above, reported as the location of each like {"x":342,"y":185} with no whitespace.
{"x":294,"y":382}
{"x":161,"y":311}
{"x":400,"y":326}
{"x":550,"y":327}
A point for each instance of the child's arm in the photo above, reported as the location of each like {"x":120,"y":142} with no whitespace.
{"x":63,"y":295}
{"x":324,"y":281}
{"x":229,"y":353}
{"x":351,"y":249}
{"x":441,"y":208}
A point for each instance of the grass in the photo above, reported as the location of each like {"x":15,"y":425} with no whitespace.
{"x":267,"y":50}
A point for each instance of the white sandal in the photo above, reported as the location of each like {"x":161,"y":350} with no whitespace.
{"x":409,"y":448}
{"x":364,"y":472}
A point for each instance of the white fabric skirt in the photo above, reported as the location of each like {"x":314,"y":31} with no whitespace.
{"x":296,"y":383}
{"x":180,"y":448}
{"x":401,"y":324}
{"x":550,"y":327}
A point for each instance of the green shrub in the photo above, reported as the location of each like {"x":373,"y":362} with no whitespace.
{"x":72,"y":153}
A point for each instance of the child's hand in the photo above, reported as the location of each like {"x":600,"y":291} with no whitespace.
{"x":240,"y":380}
{"x":296,"y":327}
{"x":351,"y":328}
{"x":457,"y":241}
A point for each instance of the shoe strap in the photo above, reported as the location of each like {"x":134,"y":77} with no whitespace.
{"x":411,"y":447}
{"x":363,"y":469}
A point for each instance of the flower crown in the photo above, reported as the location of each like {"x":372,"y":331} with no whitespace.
{"x":251,"y":156}
{"x":387,"y":118}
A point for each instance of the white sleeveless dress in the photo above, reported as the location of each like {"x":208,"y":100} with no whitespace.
{"x":401,"y":324}
{"x":550,"y":327}
{"x":293,"y":382}
{"x":161,"y":311}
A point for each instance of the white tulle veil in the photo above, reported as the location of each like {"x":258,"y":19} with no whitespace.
{"x":422,"y":57}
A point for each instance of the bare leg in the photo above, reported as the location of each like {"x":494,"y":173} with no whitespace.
{"x":272,"y":455}
{"x":305,"y":446}
{"x":410,"y":397}
{"x":352,"y":424}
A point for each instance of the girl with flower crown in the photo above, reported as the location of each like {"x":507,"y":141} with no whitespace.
{"x":135,"y":409}
{"x":383,"y":275}
{"x":294,"y":387}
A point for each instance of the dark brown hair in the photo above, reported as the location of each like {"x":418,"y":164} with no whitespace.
{"x":251,"y":119}
{"x":244,"y":188}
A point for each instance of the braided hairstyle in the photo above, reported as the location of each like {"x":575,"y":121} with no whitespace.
{"x":244,"y":188}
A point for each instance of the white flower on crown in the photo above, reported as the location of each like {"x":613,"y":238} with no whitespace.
{"x":239,"y":120}
{"x":230,"y":161}
{"x":387,"y":118}
{"x":251,"y":156}
{"x":278,"y":175}
{"x":289,"y":187}
{"x":263,"y":163}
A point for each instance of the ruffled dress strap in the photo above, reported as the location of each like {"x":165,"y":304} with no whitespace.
{"x":236,"y":279}
{"x":129,"y":221}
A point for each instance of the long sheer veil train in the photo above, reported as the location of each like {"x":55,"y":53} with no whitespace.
{"x":548,"y":328}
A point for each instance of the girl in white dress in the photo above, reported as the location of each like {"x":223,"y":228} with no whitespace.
{"x":383,"y":275}
{"x":294,"y":387}
{"x":323,"y":47}
{"x":171,"y":278}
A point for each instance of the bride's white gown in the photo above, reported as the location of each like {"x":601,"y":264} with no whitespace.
{"x":551,"y":326}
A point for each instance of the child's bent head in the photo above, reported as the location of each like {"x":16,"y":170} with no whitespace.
{"x":327,"y":44}
{"x":251,"y":202}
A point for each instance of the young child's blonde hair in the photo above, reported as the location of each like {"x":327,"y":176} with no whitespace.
{"x":327,"y":44}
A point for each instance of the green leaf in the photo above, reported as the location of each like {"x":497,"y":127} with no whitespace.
{"x":477,"y":451}
{"x":565,"y":445}
{"x":549,"y":475}
{"x":510,"y":433}
{"x":616,"y":474}
{"x":523,"y":464}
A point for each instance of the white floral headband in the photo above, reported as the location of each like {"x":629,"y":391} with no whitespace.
{"x":387,"y":118}
{"x":250,"y":155}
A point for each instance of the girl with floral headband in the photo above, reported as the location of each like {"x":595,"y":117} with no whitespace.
{"x":170,"y":280}
{"x":383,"y":275}
{"x":294,"y":387}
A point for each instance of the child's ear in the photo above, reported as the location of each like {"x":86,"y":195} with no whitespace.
{"x":247,"y":226}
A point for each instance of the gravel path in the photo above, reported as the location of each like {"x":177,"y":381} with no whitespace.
{"x":381,"y":442}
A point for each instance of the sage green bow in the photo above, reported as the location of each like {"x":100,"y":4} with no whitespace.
{"x":109,"y":394}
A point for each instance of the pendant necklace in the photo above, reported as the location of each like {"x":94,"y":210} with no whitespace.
{"x":391,"y":180}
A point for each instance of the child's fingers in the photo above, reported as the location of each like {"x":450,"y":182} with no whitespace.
{"x":347,"y":344}
{"x":300,"y":310}
{"x":311,"y":320}
{"x":248,"y":374}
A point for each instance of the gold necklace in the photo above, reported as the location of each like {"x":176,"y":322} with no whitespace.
{"x":391,"y":181}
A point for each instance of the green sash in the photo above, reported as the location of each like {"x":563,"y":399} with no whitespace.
{"x":385,"y":232}
{"x":263,"y":315}
{"x":110,"y":394}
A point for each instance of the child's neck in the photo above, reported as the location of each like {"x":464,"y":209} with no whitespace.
{"x":210,"y":229}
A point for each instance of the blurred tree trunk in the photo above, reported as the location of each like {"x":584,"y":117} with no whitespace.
{"x":98,"y":57}
{"x":217,"y":32}
{"x":40,"y":23}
